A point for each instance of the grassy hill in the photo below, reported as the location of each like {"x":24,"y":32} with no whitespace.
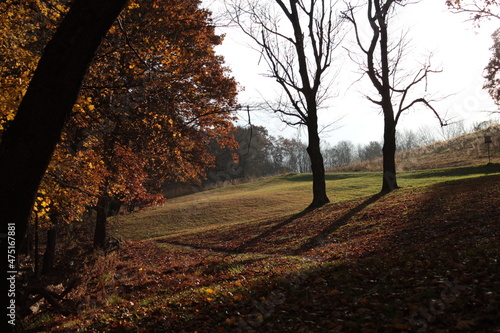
{"x":266,"y":199}
{"x":464,"y":150}
{"x":247,"y":258}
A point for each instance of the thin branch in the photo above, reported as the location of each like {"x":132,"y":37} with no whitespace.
{"x":129,"y":44}
{"x":426,"y":103}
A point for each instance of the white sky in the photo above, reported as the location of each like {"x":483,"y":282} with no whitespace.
{"x":459,"y":49}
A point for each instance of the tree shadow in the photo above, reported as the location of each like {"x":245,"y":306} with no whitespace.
{"x":197,"y":247}
{"x":320,"y":238}
{"x":473,"y":170}
{"x":271,"y":230}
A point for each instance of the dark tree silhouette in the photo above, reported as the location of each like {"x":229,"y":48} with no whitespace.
{"x":382,"y":59}
{"x":298,"y":57}
{"x":29,"y":142}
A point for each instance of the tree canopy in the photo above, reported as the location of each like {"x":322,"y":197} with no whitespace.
{"x":155,"y":95}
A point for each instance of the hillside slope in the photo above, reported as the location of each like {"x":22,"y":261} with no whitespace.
{"x":420,"y":259}
{"x":465,"y":150}
{"x":267,"y":199}
{"x":469,"y":149}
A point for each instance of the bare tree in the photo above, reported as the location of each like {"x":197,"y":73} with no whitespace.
{"x":345,"y":152}
{"x":453,"y":130}
{"x":297,"y":39}
{"x":382,"y":63}
{"x":426,"y":135}
{"x":407,"y":140}
{"x":370,"y":151}
{"x":339,"y":155}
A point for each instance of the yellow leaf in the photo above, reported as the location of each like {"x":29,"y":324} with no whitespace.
{"x":91,"y":107}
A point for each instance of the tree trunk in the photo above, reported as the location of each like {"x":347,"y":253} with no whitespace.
{"x":389,"y":181}
{"x":49,"y":257}
{"x":28,"y":143}
{"x":100,"y":234}
{"x":317,"y":167}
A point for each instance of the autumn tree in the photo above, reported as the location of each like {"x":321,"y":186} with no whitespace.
{"x":477,"y":9}
{"x":67,"y":187}
{"x":160,"y":95}
{"x":21,"y":46}
{"x":383,"y":57}
{"x":132,"y":145}
{"x":27,"y":144}
{"x":70,"y":185}
{"x":297,"y":39}
{"x":492,"y":70}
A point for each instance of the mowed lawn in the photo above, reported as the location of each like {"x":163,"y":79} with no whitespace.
{"x":265,"y":199}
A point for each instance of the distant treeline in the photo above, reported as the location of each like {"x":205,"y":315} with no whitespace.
{"x":261,"y":154}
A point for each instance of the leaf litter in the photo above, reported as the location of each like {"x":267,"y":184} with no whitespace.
{"x":422,"y":259}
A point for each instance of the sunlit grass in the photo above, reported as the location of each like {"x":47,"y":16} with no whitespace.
{"x":390,"y":255}
{"x":266,"y":199}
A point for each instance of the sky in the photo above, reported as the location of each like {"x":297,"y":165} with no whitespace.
{"x":459,"y":49}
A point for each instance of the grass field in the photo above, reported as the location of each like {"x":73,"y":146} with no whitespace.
{"x":268,"y":198}
{"x":247,"y":258}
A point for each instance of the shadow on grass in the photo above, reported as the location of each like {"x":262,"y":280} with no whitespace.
{"x":465,"y":210}
{"x":319,"y":238}
{"x":307,"y":177}
{"x":270,"y":231}
{"x":484,"y":169}
{"x":215,"y":249}
{"x":267,"y":235}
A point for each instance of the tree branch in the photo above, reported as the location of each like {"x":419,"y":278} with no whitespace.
{"x":426,"y":103}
